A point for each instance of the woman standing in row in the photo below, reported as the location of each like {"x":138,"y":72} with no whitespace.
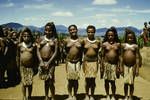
{"x":47,"y":51}
{"x":110,"y":61}
{"x":26,"y":60}
{"x":90,"y":61}
{"x":74,"y":47}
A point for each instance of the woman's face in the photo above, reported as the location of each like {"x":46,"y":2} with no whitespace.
{"x":49,"y":31}
{"x":111,"y":36}
{"x":130,"y":38}
{"x":26,"y":37}
{"x":73,"y":31}
{"x":91,"y":33}
{"x":14,"y":35}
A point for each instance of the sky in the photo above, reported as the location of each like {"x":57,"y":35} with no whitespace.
{"x":100,"y":13}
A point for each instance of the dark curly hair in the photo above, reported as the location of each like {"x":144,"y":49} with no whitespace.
{"x":113,"y":29}
{"x":26,"y":29}
{"x":129,"y":31}
{"x":52,"y":25}
{"x":91,"y":26}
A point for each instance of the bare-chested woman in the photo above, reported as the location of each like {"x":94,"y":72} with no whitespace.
{"x":131,"y":61}
{"x":26,"y":53}
{"x":47,"y":50}
{"x":110,"y":60}
{"x":73,"y":47}
{"x":90,"y":61}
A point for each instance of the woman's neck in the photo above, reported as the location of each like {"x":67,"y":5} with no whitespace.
{"x":74,"y":37}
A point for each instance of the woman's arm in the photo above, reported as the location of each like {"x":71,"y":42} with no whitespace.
{"x":55,"y":53}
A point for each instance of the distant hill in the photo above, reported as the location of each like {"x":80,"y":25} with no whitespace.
{"x":63,"y":29}
{"x":13,"y":25}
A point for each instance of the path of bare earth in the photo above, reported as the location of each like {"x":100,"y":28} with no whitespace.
{"x":142,"y":88}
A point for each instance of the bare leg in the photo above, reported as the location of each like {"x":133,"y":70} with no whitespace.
{"x":69,"y":89}
{"x":107,"y":87}
{"x":92,"y":88}
{"x":52,"y":89}
{"x":46,"y":89}
{"x":126,"y":91}
{"x":87,"y":89}
{"x":113,"y":88}
{"x":29,"y":91}
{"x":24,"y":92}
{"x":75,"y":87}
{"x":131,"y":90}
{"x":92,"y":92}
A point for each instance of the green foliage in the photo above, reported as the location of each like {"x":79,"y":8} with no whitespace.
{"x":121,"y":39}
{"x":61,"y":36}
{"x":140,"y":42}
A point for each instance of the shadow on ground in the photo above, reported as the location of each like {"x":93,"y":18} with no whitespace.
{"x":82,"y":96}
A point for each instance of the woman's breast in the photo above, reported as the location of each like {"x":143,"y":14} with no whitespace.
{"x":26,"y":58}
{"x":91,"y":52}
{"x":46,"y":52}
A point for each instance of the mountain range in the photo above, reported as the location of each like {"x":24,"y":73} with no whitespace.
{"x":64,"y":29}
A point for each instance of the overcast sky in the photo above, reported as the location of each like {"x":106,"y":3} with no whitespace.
{"x":101,"y":13}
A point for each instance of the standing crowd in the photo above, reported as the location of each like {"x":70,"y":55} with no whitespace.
{"x":145,"y":35}
{"x":28,"y":56}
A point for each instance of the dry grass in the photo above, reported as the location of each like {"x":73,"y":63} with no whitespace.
{"x":145,"y":69}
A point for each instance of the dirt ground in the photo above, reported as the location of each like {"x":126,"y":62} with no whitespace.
{"x":142,"y":88}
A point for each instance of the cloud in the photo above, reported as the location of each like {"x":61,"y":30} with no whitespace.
{"x":62,"y":14}
{"x":116,"y":21}
{"x":30,"y":19}
{"x":104,"y":15}
{"x":143,"y":11}
{"x":89,"y":9}
{"x":128,"y":7}
{"x":104,"y":2}
{"x":128,"y":10}
{"x":38,"y":6}
{"x":83,"y":25}
{"x":107,"y":22}
{"x":35,"y":20}
{"x":7,"y":5}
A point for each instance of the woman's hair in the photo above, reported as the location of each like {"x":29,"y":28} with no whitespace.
{"x":26,"y":29}
{"x":113,"y":29}
{"x":73,"y":25}
{"x":129,"y":31}
{"x":52,"y":25}
{"x":91,"y":26}
{"x":12,"y":32}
